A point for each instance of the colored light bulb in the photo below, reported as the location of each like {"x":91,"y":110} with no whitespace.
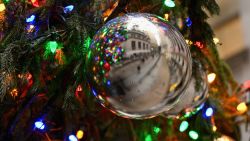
{"x":242,"y":107}
{"x":216,"y":40}
{"x":52,"y":46}
{"x":169,"y":3}
{"x":148,"y":138}
{"x":209,"y":112}
{"x":183,"y":126}
{"x":194,"y":135}
{"x":30,"y":19}
{"x":79,"y":134}
{"x":68,"y":9}
{"x":166,"y":16}
{"x":39,"y":125}
{"x":72,"y":138}
{"x":188,"y":22}
{"x":2,"y":7}
{"x":214,"y":128}
{"x":108,"y":83}
{"x":211,"y":77}
{"x":157,"y":130}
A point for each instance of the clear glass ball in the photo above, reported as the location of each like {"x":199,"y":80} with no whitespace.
{"x":138,"y":65}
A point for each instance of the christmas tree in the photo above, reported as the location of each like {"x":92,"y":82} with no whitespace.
{"x":44,"y":89}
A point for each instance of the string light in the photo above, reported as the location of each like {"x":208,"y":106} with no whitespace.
{"x":68,"y":9}
{"x":30,"y":19}
{"x":87,"y":42}
{"x":214,"y":128}
{"x":183,"y":126}
{"x":148,"y":138}
{"x":39,"y":125}
{"x":2,"y":7}
{"x":72,"y":138}
{"x":166,"y":16}
{"x":216,"y":40}
{"x":194,"y":135}
{"x":79,"y":134}
{"x":157,"y":130}
{"x":189,"y":42}
{"x":211,"y":77}
{"x":199,"y":44}
{"x":59,"y":56}
{"x":169,"y":3}
{"x":209,"y":112}
{"x":35,"y":3}
{"x":108,"y":83}
{"x":14,"y":92}
{"x":52,"y":46}
{"x":242,"y":107}
{"x":30,"y":28}
{"x":188,"y":22}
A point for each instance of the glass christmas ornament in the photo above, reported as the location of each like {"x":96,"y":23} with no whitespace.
{"x":194,"y":96}
{"x":138,"y":65}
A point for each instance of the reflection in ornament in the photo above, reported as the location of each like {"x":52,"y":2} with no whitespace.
{"x":138,"y":65}
{"x":195,"y":95}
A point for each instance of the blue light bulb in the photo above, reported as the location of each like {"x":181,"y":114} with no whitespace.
{"x":209,"y":112}
{"x":188,"y":22}
{"x":108,"y":83}
{"x":30,"y":19}
{"x":39,"y":125}
{"x":72,"y":138}
{"x":68,"y":9}
{"x":94,"y":92}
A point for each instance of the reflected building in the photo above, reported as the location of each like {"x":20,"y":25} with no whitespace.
{"x":138,"y":44}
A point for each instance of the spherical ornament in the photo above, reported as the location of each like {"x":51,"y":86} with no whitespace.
{"x":141,"y":65}
{"x":194,"y":96}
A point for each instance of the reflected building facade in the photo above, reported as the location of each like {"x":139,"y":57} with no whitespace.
{"x":138,"y":44}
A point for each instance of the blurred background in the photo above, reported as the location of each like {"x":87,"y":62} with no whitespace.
{"x":232,"y":28}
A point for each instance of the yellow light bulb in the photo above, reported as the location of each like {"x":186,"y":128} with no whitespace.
{"x":79,"y":134}
{"x":242,"y":107}
{"x":166,"y":16}
{"x":214,"y":128}
{"x":216,"y":40}
{"x":14,"y":92}
{"x":2,"y":7}
{"x":211,"y":77}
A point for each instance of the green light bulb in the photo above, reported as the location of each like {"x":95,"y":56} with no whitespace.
{"x":193,"y":135}
{"x":183,"y":126}
{"x":157,"y":130}
{"x":87,"y":42}
{"x":148,"y":138}
{"x":52,"y":46}
{"x":169,"y":3}
{"x":101,"y":63}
